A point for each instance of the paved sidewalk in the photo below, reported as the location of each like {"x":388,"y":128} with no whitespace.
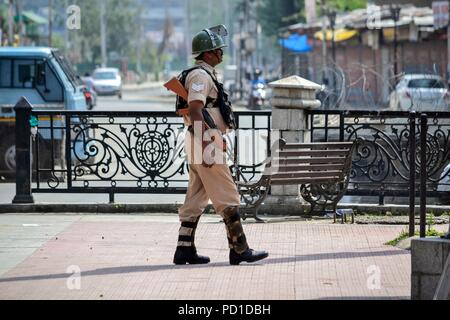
{"x":130,"y":257}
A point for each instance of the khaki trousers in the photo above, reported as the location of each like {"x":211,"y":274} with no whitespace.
{"x":215,"y":183}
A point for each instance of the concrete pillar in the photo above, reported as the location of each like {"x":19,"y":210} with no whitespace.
{"x":428,"y":263}
{"x":291,"y":97}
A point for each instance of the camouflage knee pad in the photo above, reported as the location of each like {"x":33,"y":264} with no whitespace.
{"x":235,"y":232}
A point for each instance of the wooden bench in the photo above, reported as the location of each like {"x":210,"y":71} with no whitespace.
{"x":321,"y":170}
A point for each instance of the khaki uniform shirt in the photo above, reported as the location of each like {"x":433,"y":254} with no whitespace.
{"x":200,"y":86}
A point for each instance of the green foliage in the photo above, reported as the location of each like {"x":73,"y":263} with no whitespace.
{"x":346,"y":5}
{"x":274,"y":15}
{"x":430,"y":220}
{"x":404,"y":234}
{"x":121,"y":28}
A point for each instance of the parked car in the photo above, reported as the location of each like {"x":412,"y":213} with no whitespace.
{"x":107,"y":81}
{"x":49,"y":82}
{"x":420,"y":92}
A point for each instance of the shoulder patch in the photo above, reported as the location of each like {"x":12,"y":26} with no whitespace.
{"x":198,"y":87}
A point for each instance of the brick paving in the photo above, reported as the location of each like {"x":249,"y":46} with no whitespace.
{"x":131,"y":258}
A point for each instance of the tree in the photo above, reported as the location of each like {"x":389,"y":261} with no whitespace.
{"x":274,"y":15}
{"x":347,"y":5}
{"x":121,"y":28}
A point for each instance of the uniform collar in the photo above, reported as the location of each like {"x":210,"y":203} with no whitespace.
{"x":206,"y":66}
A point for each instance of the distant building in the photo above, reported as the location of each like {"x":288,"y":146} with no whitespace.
{"x":417,"y":3}
{"x":364,"y":49}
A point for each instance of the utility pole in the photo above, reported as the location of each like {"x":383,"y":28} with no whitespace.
{"x":226,"y":4}
{"x":209,"y":13}
{"x":395,"y":12}
{"x":139,"y":45}
{"x":50,"y":22}
{"x":187,"y":31}
{"x":10,"y":23}
{"x":19,"y":14}
{"x":103,"y":33}
{"x":332,"y":18}
{"x":324,"y":43}
{"x":448,"y":65}
{"x":66,"y":30}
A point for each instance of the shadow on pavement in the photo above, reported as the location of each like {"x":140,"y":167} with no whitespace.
{"x":150,"y":268}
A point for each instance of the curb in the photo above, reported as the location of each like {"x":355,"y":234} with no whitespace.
{"x":139,"y":208}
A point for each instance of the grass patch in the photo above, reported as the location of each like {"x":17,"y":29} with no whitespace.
{"x":404,"y":234}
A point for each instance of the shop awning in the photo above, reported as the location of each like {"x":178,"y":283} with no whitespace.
{"x":297,"y":43}
{"x":339,"y":34}
{"x":31,"y":17}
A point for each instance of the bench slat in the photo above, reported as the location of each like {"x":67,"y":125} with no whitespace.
{"x":306,"y":174}
{"x":318,"y":145}
{"x":312,"y":153}
{"x":310,"y":160}
{"x":312,"y":167}
{"x":293,"y":181}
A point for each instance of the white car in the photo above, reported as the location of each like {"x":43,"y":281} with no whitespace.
{"x":420,"y":92}
{"x":107,"y":81}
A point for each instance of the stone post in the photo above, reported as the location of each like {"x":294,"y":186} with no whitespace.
{"x":291,"y":97}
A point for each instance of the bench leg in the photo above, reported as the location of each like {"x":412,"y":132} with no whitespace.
{"x":257,"y":219}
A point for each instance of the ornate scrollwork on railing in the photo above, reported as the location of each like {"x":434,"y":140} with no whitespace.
{"x":148,"y":152}
{"x":382,"y":157}
{"x":381,"y":154}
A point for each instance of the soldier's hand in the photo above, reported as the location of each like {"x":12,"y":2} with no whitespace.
{"x":208,"y":157}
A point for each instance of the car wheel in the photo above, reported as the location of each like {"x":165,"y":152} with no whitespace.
{"x":8,"y":157}
{"x":120,"y":95}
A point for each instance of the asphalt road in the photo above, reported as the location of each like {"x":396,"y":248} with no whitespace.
{"x":150,"y":98}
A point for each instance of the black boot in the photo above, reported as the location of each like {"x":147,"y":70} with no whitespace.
{"x":186,"y":251}
{"x":239,"y":249}
{"x":188,"y":255}
{"x":249,"y":255}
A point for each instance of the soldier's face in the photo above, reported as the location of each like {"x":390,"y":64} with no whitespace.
{"x":219,"y":55}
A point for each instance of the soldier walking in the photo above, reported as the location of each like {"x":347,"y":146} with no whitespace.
{"x":210,"y":178}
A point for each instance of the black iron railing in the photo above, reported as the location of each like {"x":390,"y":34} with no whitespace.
{"x":143,"y":152}
{"x":382,"y":161}
{"x":398,"y":153}
{"x":131,"y":152}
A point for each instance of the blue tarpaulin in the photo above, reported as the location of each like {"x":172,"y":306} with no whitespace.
{"x":296,"y":43}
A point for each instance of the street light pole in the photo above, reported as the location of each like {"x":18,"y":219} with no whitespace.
{"x":395,"y":12}
{"x":332,"y":17}
{"x":324,"y":43}
{"x":10,"y":23}
{"x":50,"y":22}
{"x":103,"y":33}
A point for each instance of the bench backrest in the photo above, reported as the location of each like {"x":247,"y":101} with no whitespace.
{"x":303,"y":163}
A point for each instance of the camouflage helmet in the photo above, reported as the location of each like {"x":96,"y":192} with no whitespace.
{"x":209,"y":39}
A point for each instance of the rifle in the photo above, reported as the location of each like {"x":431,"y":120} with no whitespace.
{"x":175,"y":86}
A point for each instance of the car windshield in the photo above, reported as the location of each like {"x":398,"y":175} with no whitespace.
{"x":426,"y":83}
{"x":67,"y":68}
{"x":104,"y":75}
